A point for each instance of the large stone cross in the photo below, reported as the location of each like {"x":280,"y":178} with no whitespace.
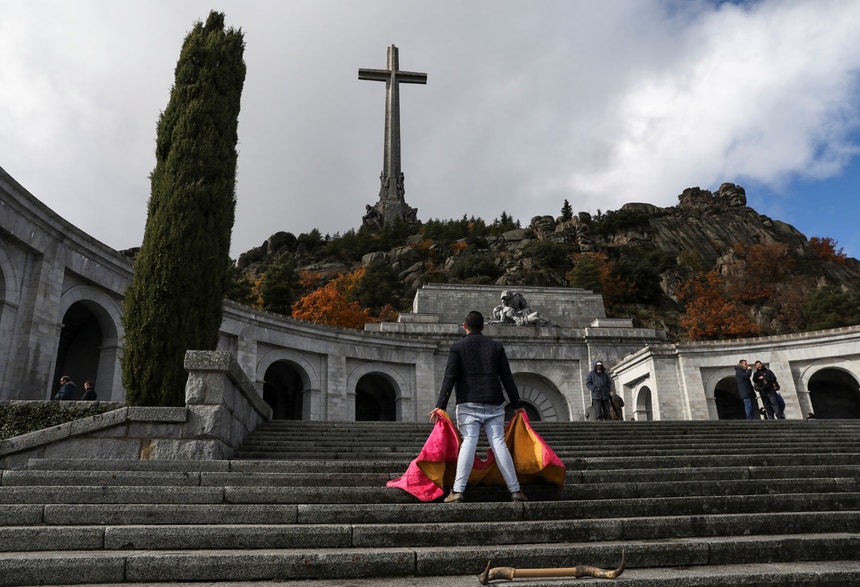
{"x":391,"y":203}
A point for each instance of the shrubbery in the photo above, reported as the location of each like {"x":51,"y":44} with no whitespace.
{"x":16,"y":419}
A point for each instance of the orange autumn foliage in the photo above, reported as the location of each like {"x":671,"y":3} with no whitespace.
{"x":709,"y":315}
{"x":760,"y":269}
{"x":825,"y":249}
{"x":330,"y":305}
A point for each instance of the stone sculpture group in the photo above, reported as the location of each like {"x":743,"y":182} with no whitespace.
{"x":514,"y":309}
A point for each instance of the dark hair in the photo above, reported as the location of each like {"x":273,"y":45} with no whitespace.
{"x":475,"y":321}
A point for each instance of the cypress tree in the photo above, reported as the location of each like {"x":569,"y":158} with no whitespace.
{"x":175,"y":300}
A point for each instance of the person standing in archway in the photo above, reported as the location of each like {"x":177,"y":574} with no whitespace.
{"x":478,"y":367}
{"x":743,"y":373}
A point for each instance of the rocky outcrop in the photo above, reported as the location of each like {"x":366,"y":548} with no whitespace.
{"x":704,"y":224}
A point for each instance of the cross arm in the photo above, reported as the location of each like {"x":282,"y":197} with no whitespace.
{"x":383,"y":75}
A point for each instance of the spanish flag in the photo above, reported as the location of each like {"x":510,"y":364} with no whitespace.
{"x":436,"y":464}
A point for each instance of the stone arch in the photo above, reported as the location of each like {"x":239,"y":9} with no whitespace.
{"x":289,"y":383}
{"x":828,"y":388}
{"x":728,"y":404}
{"x":88,"y":345}
{"x":643,"y":403}
{"x":375,"y":399}
{"x":283,"y":390}
{"x":310,"y":375}
{"x":541,"y":398}
{"x":380,"y":393}
{"x":721,"y":392}
{"x":834,"y":393}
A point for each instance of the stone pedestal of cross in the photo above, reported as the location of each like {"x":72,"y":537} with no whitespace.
{"x":392,"y":204}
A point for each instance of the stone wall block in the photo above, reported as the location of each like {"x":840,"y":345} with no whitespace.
{"x":92,"y":448}
{"x":37,"y":438}
{"x":119,"y":431}
{"x":157,"y":414}
{"x":195,"y":392}
{"x":143,"y":430}
{"x":98,"y":422}
{"x":210,"y":449}
{"x":208,"y":422}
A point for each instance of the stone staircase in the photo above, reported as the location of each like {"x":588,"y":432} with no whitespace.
{"x":305,"y":503}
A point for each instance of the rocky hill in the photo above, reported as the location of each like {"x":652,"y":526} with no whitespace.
{"x":644,"y":260}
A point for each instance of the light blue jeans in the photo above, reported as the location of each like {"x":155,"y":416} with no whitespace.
{"x":471,"y":417}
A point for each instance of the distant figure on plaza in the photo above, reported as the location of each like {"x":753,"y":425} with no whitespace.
{"x":764,"y":381}
{"x":90,"y":394}
{"x":600,"y":385}
{"x":743,"y":375}
{"x":67,"y":389}
{"x":478,"y":367}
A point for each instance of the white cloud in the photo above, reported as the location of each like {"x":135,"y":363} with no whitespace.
{"x":527,"y":104}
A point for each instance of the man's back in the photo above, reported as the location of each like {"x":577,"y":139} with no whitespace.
{"x":478,"y":367}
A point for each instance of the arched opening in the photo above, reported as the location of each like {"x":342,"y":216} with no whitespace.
{"x":730,"y":406}
{"x":283,"y":391}
{"x":541,"y":399}
{"x":531,"y":411}
{"x":644,"y":410}
{"x":375,"y":399}
{"x":834,"y":394}
{"x":79,"y":349}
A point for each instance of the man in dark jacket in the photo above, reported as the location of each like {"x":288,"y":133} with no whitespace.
{"x":67,"y":389}
{"x":765,"y":382}
{"x":743,"y":372}
{"x":476,"y":364}
{"x":600,"y":385}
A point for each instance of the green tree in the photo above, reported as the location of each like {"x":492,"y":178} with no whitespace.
{"x":475,"y":269}
{"x":585,"y":273}
{"x":831,"y":307}
{"x":566,"y":211}
{"x":378,"y":287}
{"x":239,"y":287}
{"x":175,"y":300}
{"x":280,"y":285}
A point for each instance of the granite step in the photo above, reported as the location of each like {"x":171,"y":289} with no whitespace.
{"x":78,"y":514}
{"x":119,"y":566}
{"x":310,"y":476}
{"x":690,"y":503}
{"x":225,"y":536}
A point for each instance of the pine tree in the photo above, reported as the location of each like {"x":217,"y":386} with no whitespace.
{"x":175,"y":300}
{"x":566,"y":211}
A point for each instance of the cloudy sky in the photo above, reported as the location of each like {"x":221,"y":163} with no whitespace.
{"x":528,"y":103}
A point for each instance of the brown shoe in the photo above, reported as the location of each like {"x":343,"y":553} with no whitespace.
{"x":518,"y":496}
{"x":454,"y":497}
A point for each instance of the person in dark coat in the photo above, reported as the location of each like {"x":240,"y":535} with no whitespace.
{"x":478,"y":367}
{"x":67,"y":389}
{"x":743,"y":373}
{"x":765,"y":381}
{"x":600,"y":385}
{"x":90,"y":394}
